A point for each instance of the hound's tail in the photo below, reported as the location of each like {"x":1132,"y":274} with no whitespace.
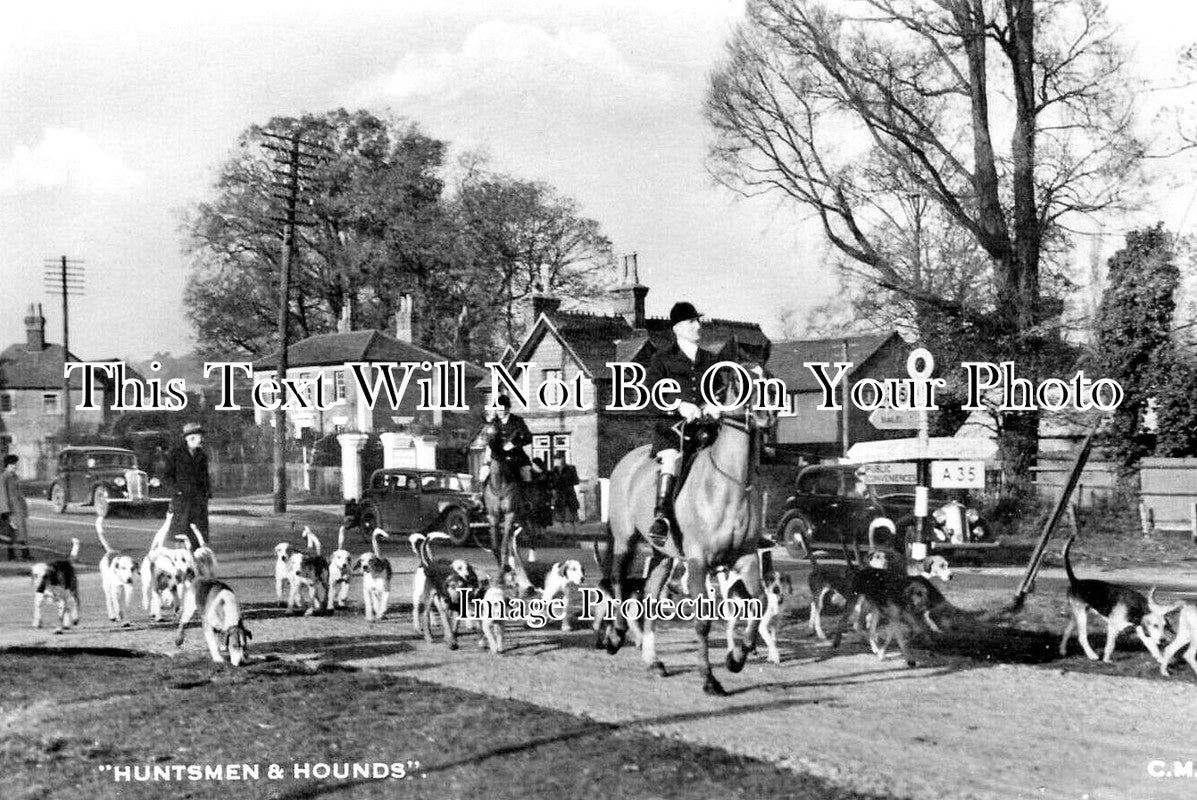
{"x":517,"y":564}
{"x":1072,"y":579}
{"x":341,"y":538}
{"x":100,"y":533}
{"x":160,"y":535}
{"x":74,"y":550}
{"x":417,"y":547}
{"x":374,"y":539}
{"x":847,"y":556}
{"x":426,"y":546}
{"x":199,"y":536}
{"x":312,"y":541}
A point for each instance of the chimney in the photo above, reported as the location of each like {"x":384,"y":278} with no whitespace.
{"x":628,"y":298}
{"x":403,"y":319}
{"x":544,"y":304}
{"x":35,"y":329}
{"x":345,"y":323}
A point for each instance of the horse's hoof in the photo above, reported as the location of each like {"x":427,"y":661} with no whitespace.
{"x":658,"y":667}
{"x":734,"y":664}
{"x":713,"y":687}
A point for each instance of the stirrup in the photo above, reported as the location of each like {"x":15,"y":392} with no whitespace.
{"x":659,"y":533}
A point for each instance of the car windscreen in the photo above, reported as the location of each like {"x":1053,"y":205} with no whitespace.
{"x":111,"y":461}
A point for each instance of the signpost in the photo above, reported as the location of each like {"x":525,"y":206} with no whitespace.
{"x":894,"y":419}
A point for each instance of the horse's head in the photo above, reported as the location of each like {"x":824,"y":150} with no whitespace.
{"x":750,"y":387}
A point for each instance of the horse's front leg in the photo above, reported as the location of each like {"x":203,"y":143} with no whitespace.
{"x":507,"y":559}
{"x":658,"y":572}
{"x":496,"y":540}
{"x":696,"y":580}
{"x":753,"y":609}
{"x":615,"y":630}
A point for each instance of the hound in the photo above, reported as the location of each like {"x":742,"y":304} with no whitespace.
{"x":491,"y":615}
{"x":224,"y":628}
{"x":1186,"y":633}
{"x":548,"y":582}
{"x":205,"y":559}
{"x":57,"y":580}
{"x":1121,"y":606}
{"x":311,"y":576}
{"x":834,"y":581}
{"x":376,"y":578}
{"x":777,"y":586}
{"x":897,"y":600}
{"x":165,"y":572}
{"x":116,"y":578}
{"x":284,"y":572}
{"x":340,"y":570}
{"x":443,"y":585}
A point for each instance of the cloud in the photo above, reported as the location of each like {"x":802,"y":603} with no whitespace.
{"x":66,"y":158}
{"x":502,"y":64}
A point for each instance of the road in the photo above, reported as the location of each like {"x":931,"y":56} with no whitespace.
{"x":992,"y":726}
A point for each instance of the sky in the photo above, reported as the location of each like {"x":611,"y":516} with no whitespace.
{"x":114,"y":117}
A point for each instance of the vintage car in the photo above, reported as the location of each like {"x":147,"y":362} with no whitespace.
{"x":831,"y":501}
{"x":104,"y":478}
{"x":405,"y":501}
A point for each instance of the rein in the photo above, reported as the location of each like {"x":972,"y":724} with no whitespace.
{"x":746,"y":427}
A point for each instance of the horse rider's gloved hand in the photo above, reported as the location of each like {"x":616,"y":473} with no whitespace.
{"x":689,"y":411}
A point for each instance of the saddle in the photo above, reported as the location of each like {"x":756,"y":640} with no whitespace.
{"x":695,"y":437}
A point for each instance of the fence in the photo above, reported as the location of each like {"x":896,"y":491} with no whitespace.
{"x":234,"y":478}
{"x":1098,"y":480}
{"x":1168,"y":490}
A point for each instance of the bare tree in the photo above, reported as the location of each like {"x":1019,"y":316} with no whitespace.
{"x":945,"y":146}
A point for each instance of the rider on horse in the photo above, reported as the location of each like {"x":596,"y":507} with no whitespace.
{"x":507,"y":437}
{"x":685,"y":362}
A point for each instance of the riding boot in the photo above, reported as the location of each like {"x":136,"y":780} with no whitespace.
{"x":658,"y":534}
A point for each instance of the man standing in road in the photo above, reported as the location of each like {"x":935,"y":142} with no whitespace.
{"x":14,"y":511}
{"x":187,"y":478}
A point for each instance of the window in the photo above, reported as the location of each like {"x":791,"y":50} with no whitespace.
{"x":544,"y":445}
{"x":553,"y":388}
{"x":50,"y":404}
{"x":5,"y":402}
{"x":339,"y":385}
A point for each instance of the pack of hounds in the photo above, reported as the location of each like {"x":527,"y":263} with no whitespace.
{"x":876,"y":599}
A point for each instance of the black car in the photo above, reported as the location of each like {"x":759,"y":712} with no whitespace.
{"x":104,"y":478}
{"x":831,"y":501}
{"x":408,"y":501}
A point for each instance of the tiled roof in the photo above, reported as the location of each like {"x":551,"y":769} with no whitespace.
{"x":787,"y":359}
{"x":21,"y":368}
{"x":334,"y":349}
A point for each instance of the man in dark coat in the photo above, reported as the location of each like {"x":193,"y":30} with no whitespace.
{"x":186,"y":476}
{"x":685,"y":362}
{"x":509,"y":435}
{"x":563,"y":478}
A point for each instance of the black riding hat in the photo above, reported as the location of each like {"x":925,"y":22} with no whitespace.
{"x":681,"y":312}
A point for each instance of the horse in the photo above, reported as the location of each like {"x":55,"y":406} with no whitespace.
{"x":503,"y":498}
{"x":717,"y":511}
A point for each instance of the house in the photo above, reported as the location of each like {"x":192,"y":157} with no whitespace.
{"x":561,"y":345}
{"x":418,"y":437}
{"x":816,"y":434}
{"x":32,"y":403}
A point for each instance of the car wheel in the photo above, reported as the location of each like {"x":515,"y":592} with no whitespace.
{"x":58,"y":498}
{"x":99,"y":501}
{"x":794,"y":532}
{"x":457,"y":525}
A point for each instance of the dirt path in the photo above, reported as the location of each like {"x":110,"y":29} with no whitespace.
{"x":953,"y":727}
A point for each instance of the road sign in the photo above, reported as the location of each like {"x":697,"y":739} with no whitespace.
{"x":893,"y":419}
{"x":958,"y":474}
{"x":893,"y":473}
{"x":936,"y":447}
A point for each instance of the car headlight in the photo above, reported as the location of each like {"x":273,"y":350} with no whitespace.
{"x":155,"y":482}
{"x":118,"y":482}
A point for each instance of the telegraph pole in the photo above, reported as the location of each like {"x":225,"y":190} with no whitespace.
{"x":64,"y":276}
{"x":294,"y":158}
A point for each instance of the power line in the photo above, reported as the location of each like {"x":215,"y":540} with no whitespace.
{"x":64,"y":276}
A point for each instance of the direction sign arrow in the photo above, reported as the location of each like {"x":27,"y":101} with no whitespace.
{"x":893,"y":419}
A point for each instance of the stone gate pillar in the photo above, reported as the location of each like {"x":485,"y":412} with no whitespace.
{"x":351,"y":464}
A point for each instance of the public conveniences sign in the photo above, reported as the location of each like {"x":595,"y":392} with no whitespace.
{"x":894,"y":473}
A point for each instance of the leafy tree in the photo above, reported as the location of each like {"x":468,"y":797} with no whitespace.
{"x":1132,"y":336}
{"x":886,"y":121}
{"x":380,"y":224}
